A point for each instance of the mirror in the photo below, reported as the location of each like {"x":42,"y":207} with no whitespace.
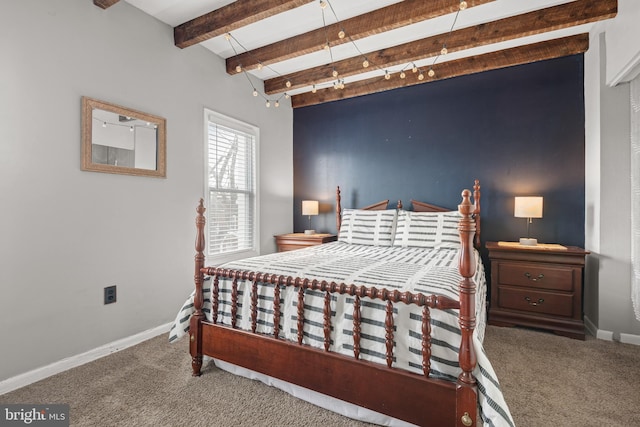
{"x":120,"y":140}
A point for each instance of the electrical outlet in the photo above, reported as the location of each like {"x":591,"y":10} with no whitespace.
{"x":110,"y":294}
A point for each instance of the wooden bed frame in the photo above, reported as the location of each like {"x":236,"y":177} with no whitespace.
{"x":414,"y":398}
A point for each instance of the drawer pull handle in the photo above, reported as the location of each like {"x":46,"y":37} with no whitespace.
{"x":466,"y":420}
{"x":534,"y":279}
{"x":534,"y":303}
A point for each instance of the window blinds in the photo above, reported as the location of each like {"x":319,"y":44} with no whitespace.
{"x":231,"y":185}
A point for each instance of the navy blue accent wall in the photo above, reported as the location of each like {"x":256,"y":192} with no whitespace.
{"x":519,"y":130}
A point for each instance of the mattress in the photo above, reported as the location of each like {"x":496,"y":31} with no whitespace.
{"x":426,"y":270}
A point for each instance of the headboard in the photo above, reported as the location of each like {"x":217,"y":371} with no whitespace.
{"x":427,"y":207}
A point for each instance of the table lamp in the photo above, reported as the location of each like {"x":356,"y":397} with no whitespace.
{"x":528,"y":207}
{"x":309,"y":207}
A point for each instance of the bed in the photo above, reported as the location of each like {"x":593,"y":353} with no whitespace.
{"x":388,"y":319}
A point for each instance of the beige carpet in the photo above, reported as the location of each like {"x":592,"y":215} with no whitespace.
{"x":547,"y":381}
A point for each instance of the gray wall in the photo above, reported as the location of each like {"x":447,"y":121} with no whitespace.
{"x":65,"y":234}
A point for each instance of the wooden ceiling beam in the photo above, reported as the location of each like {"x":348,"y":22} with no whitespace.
{"x":105,"y":4}
{"x":378,"y":21}
{"x":537,"y":22}
{"x":475,"y":64}
{"x":229,"y":18}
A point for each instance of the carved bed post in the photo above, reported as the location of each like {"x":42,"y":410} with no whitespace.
{"x":195,"y":325}
{"x":476,"y":211}
{"x":338,"y":210}
{"x":466,"y":384}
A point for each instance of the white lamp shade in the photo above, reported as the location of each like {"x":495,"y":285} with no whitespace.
{"x":309,"y":207}
{"x":528,"y":207}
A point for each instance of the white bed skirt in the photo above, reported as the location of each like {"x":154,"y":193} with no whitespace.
{"x":327,"y":402}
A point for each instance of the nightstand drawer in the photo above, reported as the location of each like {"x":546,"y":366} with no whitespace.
{"x":534,"y":275}
{"x":291,"y":246}
{"x":554,"y":304}
{"x":293,"y":241}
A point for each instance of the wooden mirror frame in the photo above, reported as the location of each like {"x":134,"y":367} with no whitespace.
{"x":90,"y":104}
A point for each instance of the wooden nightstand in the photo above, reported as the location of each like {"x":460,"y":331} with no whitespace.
{"x":292,"y":241}
{"x":537,"y":286}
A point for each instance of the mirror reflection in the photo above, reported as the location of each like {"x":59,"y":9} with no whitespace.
{"x":121,"y":140}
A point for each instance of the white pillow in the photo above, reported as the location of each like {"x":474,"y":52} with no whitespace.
{"x":428,"y":229}
{"x":364,"y":227}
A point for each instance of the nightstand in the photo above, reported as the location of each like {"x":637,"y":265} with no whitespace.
{"x":292,"y":241}
{"x":537,"y":286}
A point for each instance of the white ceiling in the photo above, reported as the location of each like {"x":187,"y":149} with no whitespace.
{"x":310,"y":17}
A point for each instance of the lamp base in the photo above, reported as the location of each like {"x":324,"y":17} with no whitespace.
{"x":527,"y":241}
{"x":309,"y":231}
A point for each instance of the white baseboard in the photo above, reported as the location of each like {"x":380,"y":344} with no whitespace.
{"x":38,"y":374}
{"x":590,"y":327}
{"x":604,"y":335}
{"x":630,"y":339}
{"x":610,"y":335}
{"x":598,"y":333}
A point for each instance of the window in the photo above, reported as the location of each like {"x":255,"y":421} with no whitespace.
{"x":230,"y":185}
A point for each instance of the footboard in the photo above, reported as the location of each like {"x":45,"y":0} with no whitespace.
{"x":418,"y":399}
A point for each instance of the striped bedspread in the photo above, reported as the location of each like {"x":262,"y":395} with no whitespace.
{"x":430,"y":271}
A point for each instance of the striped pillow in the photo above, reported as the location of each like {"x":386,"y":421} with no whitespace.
{"x":428,"y":229}
{"x":373,"y":228}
